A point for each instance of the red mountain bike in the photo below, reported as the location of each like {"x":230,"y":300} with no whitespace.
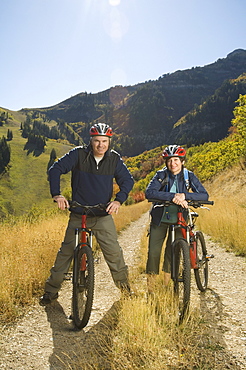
{"x":188,"y":252}
{"x":83,"y":268}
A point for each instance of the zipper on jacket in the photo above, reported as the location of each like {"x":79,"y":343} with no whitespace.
{"x":97,"y":162}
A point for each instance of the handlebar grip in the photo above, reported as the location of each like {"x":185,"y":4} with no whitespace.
{"x":198,"y":202}
{"x":158,"y":201}
{"x":211,"y":202}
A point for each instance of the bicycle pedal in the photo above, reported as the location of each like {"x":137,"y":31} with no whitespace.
{"x":208,"y":256}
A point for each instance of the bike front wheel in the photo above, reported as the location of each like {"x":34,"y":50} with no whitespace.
{"x":201,"y":273}
{"x":181,"y":276}
{"x":83,"y":286}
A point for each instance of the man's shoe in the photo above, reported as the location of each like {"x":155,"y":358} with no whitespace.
{"x":126,"y":290}
{"x":47,"y":298}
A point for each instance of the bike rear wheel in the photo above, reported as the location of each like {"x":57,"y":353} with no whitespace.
{"x":201,"y":273}
{"x":182,"y":277}
{"x":83,"y":286}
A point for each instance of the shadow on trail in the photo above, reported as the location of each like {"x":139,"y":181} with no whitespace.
{"x":73,"y":349}
{"x":213,"y":331}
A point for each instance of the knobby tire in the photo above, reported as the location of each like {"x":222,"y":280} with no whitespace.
{"x":182,"y":277}
{"x":201,"y":273}
{"x":83,"y":287}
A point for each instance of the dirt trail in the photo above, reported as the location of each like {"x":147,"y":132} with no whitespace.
{"x":44,"y":338}
{"x":225,"y":300}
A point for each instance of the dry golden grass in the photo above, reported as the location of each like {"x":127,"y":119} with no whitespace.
{"x":147,"y":335}
{"x":225,"y":223}
{"x":225,"y":220}
{"x":27,"y":252}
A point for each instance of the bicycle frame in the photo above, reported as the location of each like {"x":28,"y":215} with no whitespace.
{"x":85,"y":238}
{"x":188,"y":235}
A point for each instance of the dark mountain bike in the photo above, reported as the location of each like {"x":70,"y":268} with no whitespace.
{"x":188,"y":252}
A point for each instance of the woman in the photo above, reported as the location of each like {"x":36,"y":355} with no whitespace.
{"x":173,"y":183}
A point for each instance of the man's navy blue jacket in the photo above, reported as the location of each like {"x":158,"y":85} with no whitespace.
{"x":155,"y":190}
{"x":91,"y":183}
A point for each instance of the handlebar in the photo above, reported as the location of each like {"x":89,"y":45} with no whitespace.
{"x":74,"y":204}
{"x":191,"y":203}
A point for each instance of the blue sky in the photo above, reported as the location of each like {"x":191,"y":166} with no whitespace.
{"x":54,"y":49}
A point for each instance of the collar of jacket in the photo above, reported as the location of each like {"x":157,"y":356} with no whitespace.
{"x":172,"y":176}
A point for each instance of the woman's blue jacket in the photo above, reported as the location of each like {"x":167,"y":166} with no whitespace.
{"x":155,"y":190}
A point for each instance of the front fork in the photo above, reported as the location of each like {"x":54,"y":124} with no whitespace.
{"x":174,"y":263}
{"x":189,"y":236}
{"x":86,"y":238}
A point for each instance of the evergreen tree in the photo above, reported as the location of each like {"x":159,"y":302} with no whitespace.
{"x":26,"y":129}
{"x":9,"y":135}
{"x":37,"y":140}
{"x":4,"y":154}
{"x":54,"y":133}
{"x":53,"y":158}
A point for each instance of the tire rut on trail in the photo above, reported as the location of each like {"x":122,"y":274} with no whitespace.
{"x":225,"y":300}
{"x":44,"y":338}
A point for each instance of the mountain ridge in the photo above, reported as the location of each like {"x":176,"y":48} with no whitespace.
{"x":237,"y":52}
{"x":144,"y":116}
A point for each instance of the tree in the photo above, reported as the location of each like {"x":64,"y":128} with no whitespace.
{"x":3,"y":117}
{"x":4,"y":154}
{"x":54,"y":133}
{"x":26,"y":129}
{"x":239,"y":122}
{"x":53,"y":158}
{"x":37,"y":140}
{"x":9,"y":135}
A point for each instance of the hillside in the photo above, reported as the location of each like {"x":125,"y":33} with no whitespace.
{"x":25,"y":183}
{"x":211,"y":120}
{"x":143,"y":116}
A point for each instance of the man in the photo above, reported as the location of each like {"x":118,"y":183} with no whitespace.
{"x":93,"y":170}
{"x":169,"y":184}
